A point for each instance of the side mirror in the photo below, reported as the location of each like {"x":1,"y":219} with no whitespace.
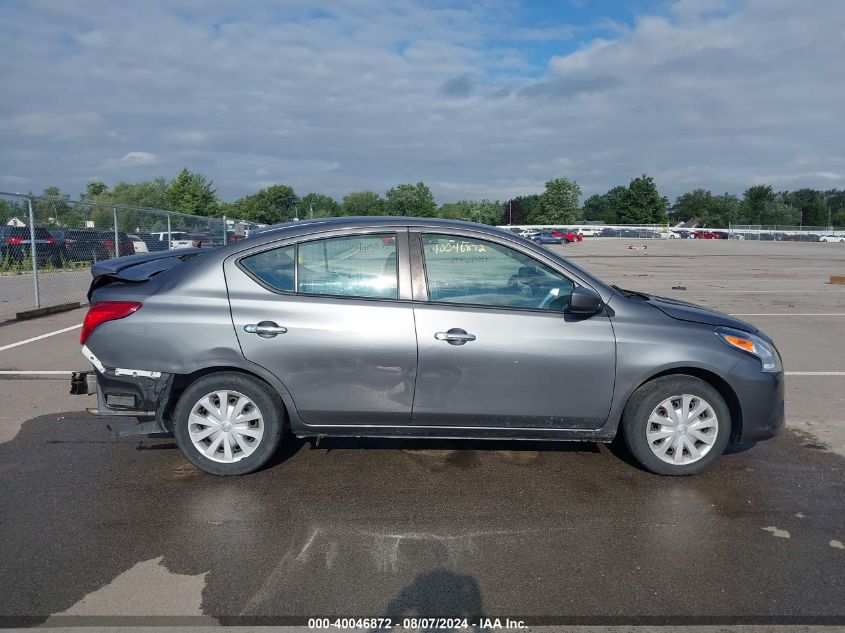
{"x":584,"y":301}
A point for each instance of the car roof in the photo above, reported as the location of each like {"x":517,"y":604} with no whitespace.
{"x":302,"y":227}
{"x":367,"y":221}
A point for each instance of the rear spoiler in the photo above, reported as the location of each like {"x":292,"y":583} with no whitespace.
{"x":136,"y":268}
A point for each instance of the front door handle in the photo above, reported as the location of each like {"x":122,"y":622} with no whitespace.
{"x":455,"y":336}
{"x":265,"y":329}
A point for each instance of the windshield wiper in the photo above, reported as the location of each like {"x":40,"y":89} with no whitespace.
{"x":631,"y":293}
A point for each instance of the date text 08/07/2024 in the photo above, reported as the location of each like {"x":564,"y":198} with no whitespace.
{"x":414,"y":623}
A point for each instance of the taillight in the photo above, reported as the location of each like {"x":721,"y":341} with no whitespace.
{"x":104,"y":311}
{"x":108,"y":243}
{"x":15,"y":240}
{"x":51,"y":240}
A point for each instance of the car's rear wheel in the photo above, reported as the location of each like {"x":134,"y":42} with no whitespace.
{"x":676,"y":425}
{"x":228,"y":423}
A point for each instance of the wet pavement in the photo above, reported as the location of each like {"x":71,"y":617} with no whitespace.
{"x":375,"y":528}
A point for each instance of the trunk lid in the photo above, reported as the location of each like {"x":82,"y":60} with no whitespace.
{"x":139,"y":268}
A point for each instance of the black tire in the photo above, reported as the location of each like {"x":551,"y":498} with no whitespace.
{"x":635,"y":421}
{"x":265,"y":398}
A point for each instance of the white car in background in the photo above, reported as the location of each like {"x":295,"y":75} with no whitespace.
{"x":139,"y":244}
{"x":669,"y":235}
{"x":832,"y":238}
{"x":588,"y":232}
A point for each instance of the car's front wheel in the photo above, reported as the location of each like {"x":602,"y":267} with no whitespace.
{"x":676,"y":425}
{"x":228,"y":423}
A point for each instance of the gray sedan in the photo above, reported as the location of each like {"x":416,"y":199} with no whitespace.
{"x":403,"y":327}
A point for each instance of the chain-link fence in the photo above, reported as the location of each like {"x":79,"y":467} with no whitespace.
{"x":781,"y":233}
{"x":639,"y":231}
{"x":663,"y":231}
{"x":47,"y":244}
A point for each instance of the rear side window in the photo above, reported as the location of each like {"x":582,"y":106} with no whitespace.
{"x":274,"y":267}
{"x":350,"y":266}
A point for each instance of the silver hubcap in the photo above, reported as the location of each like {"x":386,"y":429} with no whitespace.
{"x":225,"y":426}
{"x":682,"y":429}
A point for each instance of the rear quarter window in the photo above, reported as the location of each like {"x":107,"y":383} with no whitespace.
{"x":274,"y":268}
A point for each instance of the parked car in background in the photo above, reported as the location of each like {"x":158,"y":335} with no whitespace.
{"x":16,"y":245}
{"x":832,"y":239}
{"x":138,"y":244}
{"x":736,"y":236}
{"x":566,"y":235}
{"x":81,"y":245}
{"x":547,"y":238}
{"x":668,"y":235}
{"x":157,"y":241}
{"x":585,"y":232}
{"x":477,"y":333}
{"x":610,"y":232}
{"x":124,"y":244}
{"x":707,"y":235}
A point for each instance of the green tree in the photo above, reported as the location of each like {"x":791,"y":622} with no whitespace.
{"x":411,"y":201}
{"x":755,"y":204}
{"x":641,"y":203}
{"x":816,"y":213}
{"x":269,"y":206}
{"x":52,"y":208}
{"x":698,"y":204}
{"x":95,"y":188}
{"x":481,"y":211}
{"x":518,"y":210}
{"x":363,"y":203}
{"x":558,"y":203}
{"x":153,"y":194}
{"x":726,"y":210}
{"x":604,"y":207}
{"x":319,"y":204}
{"x":192,"y":193}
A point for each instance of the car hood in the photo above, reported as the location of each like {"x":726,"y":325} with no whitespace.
{"x":684,"y":311}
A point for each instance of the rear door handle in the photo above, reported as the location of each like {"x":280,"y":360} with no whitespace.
{"x":265,"y":329}
{"x":455,"y":336}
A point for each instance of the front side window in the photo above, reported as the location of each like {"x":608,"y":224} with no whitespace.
{"x":352,"y":266}
{"x":476,"y":272}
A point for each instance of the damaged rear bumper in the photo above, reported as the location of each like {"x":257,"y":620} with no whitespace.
{"x":126,"y":392}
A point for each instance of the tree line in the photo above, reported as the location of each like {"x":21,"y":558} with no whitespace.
{"x":558,"y":204}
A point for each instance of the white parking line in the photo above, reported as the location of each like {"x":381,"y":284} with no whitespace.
{"x":23,"y":372}
{"x":815,"y":373}
{"x":38,"y":338}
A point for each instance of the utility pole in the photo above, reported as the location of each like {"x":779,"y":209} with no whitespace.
{"x":310,"y":211}
{"x":510,"y":212}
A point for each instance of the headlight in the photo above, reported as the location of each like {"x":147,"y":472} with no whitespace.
{"x":753,"y":345}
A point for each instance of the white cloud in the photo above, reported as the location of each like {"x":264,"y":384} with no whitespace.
{"x":363,"y":96}
{"x":132,"y":159}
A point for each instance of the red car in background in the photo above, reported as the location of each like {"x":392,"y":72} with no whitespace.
{"x":567,"y":236}
{"x":707,"y":235}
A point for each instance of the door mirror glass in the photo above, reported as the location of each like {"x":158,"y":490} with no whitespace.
{"x":584,"y":301}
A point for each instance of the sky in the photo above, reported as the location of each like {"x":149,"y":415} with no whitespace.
{"x":485,"y":99}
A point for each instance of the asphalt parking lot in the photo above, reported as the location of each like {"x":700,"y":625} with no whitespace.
{"x":92,"y":525}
